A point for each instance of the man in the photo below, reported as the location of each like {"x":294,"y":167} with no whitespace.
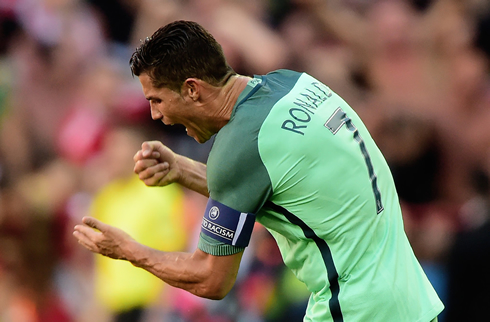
{"x":289,"y":153}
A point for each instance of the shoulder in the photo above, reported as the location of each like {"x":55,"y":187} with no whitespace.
{"x":281,"y":80}
{"x":284,"y":73}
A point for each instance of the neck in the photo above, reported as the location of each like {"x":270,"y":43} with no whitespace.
{"x":228,"y":97}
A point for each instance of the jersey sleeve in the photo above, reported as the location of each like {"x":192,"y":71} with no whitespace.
{"x":225,"y":231}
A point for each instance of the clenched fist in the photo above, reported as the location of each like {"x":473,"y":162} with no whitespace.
{"x":156,"y":164}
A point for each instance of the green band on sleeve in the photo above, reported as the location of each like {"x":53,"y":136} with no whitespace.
{"x":216,"y":248}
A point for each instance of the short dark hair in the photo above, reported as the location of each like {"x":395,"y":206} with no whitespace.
{"x":180,"y":50}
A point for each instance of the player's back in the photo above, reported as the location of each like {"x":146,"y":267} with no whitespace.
{"x":334,"y":210}
{"x":298,"y":155}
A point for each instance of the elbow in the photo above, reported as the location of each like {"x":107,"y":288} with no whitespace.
{"x":216,"y":275}
{"x":216,"y":296}
{"x":216,"y":290}
{"x":219,"y":293}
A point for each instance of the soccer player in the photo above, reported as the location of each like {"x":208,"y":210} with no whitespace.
{"x":289,"y":153}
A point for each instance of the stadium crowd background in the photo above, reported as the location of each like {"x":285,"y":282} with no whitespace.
{"x":71,"y":118}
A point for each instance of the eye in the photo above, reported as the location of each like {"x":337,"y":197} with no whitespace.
{"x":156,"y":100}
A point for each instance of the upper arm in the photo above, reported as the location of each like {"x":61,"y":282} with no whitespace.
{"x":236,"y":176}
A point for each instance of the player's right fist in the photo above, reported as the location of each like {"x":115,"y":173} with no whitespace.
{"x":155,"y":164}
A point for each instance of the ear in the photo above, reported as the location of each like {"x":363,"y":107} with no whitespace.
{"x":192,"y":89}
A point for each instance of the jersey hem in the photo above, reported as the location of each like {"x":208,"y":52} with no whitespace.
{"x":217,"y":249}
{"x":432,"y":314}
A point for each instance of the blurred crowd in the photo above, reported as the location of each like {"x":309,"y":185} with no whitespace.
{"x":72,"y":117}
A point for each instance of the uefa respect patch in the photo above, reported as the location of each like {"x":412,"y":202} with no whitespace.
{"x":226,"y":224}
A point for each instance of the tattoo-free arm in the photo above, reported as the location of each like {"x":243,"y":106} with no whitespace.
{"x":200,"y":273}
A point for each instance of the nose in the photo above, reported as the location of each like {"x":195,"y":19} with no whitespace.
{"x":155,"y":113}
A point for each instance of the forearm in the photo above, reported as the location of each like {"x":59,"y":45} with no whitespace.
{"x":200,"y":273}
{"x":193,"y":175}
{"x":192,"y":272}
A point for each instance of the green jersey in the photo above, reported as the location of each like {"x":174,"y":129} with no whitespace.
{"x":298,"y":157}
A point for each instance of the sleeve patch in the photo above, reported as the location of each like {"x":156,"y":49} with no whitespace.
{"x":227,"y":225}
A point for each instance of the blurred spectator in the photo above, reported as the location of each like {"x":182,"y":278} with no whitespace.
{"x":29,"y":238}
{"x":59,"y":40}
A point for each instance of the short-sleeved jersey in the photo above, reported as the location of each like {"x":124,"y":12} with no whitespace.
{"x":299,"y":157}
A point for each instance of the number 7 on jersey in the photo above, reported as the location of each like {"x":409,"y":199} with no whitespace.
{"x":334,"y":124}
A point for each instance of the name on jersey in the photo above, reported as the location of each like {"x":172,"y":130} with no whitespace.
{"x":306,"y":104}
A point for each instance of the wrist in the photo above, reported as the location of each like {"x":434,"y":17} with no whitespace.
{"x":179,"y":163}
{"x":135,"y":253}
